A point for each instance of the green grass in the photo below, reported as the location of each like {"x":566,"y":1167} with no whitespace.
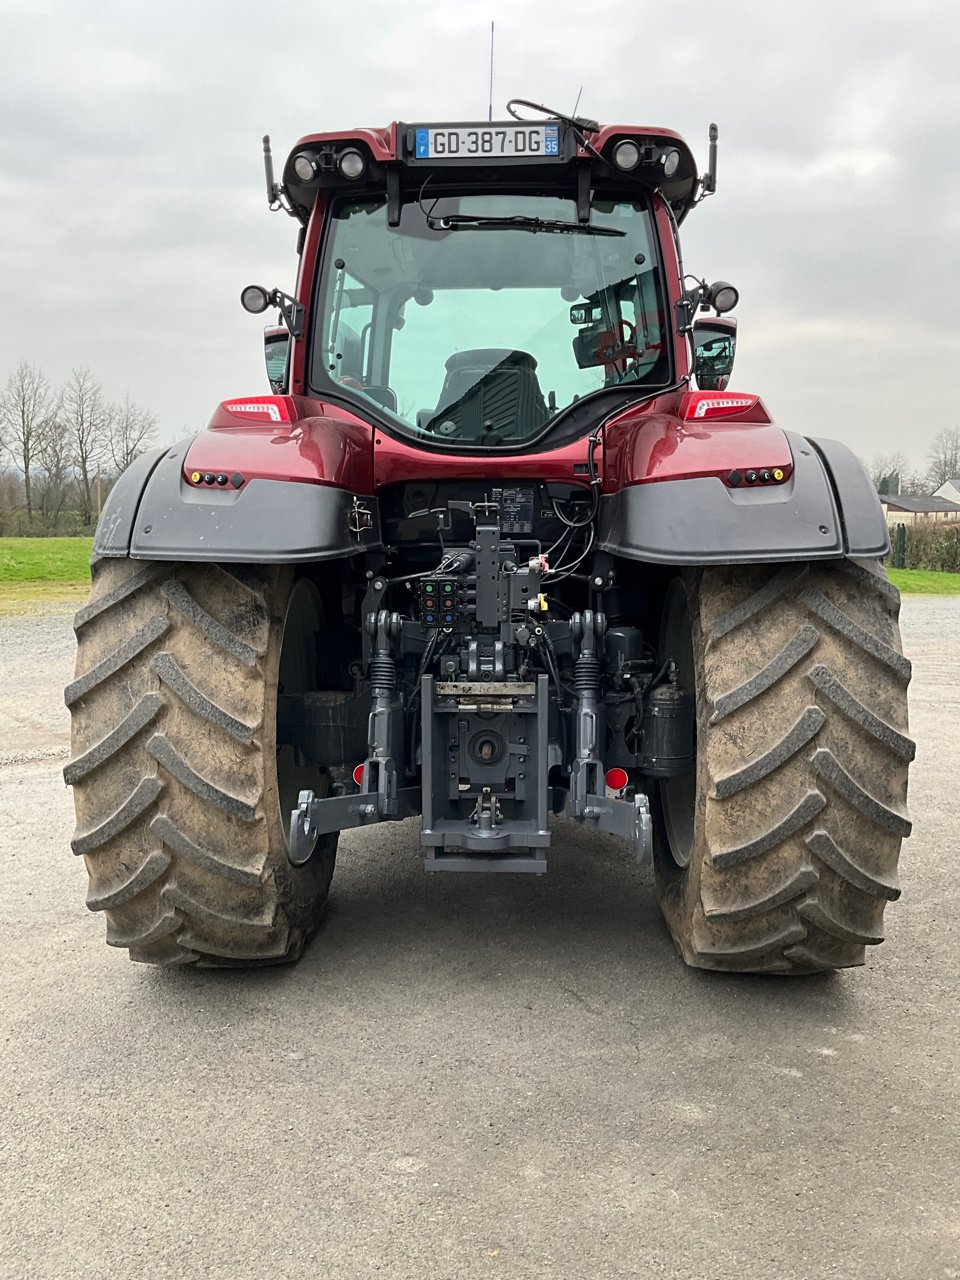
{"x":59,"y":569}
{"x":923,"y":582}
{"x":32,"y":560}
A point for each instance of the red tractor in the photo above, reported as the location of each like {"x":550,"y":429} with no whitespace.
{"x":501,"y":546}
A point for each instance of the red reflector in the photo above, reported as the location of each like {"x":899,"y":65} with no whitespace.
{"x":617,"y":779}
{"x":698,"y":406}
{"x":261,"y":409}
{"x":358,"y":774}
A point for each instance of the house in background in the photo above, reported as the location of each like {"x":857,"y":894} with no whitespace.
{"x":902,"y":509}
{"x":950,"y":489}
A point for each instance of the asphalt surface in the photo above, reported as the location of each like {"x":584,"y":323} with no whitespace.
{"x":470,"y":1076}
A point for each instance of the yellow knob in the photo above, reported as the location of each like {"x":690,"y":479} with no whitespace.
{"x":778,"y":474}
{"x":195,"y":477}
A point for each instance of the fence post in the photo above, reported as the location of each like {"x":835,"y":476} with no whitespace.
{"x":900,"y":552}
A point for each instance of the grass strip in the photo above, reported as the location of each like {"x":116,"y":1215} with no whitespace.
{"x":35,"y":560}
{"x":924,"y":582}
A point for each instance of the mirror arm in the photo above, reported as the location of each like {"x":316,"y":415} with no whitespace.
{"x":291,"y":310}
{"x":686,"y":309}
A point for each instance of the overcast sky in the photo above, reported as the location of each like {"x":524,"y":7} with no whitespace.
{"x":132,"y":208}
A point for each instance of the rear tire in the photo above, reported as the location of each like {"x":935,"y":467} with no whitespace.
{"x":798,"y":808}
{"x":179,"y":789}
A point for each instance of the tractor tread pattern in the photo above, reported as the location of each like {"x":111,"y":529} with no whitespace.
{"x":180,"y":843}
{"x":120,"y":657}
{"x":819,"y":916}
{"x":759,"y":600}
{"x":172,"y":675}
{"x":844,"y":701}
{"x":137,"y":802}
{"x":833,"y":772}
{"x":869,"y":581}
{"x":165,"y":954}
{"x":167,"y":922}
{"x":181,"y":599}
{"x":807,"y":727}
{"x":795,"y":851}
{"x":174,"y":763}
{"x":144,"y":713}
{"x":796,"y":648}
{"x":789,"y":824}
{"x":841,"y":622}
{"x":176,"y":897}
{"x":122,"y":591}
{"x":824,"y":847}
{"x":797,"y":885}
{"x":742,"y":956}
{"x":152,"y":868}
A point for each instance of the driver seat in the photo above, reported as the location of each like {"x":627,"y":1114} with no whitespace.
{"x":489,"y":390}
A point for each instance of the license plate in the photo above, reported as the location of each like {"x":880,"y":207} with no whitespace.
{"x":487,"y":142}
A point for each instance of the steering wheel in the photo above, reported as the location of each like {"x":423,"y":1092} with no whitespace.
{"x":614,"y":343}
{"x":627,"y":333}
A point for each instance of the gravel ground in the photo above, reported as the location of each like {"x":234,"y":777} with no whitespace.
{"x":468,"y":1077}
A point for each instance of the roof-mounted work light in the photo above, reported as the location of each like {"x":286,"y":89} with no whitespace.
{"x":351,"y":163}
{"x":626,"y":155}
{"x":670,"y":161}
{"x":304,"y":166}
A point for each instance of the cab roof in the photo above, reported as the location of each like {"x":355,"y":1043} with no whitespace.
{"x":399,"y":159}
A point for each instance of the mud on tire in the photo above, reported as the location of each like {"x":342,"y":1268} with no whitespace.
{"x":799,"y":804}
{"x":174,"y":765}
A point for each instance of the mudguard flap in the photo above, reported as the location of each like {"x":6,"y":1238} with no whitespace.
{"x":826,"y":510}
{"x":157,"y":515}
{"x":864,"y":525}
{"x":112,"y":537}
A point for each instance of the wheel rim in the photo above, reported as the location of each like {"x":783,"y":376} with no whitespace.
{"x":678,"y":796}
{"x":302,"y":622}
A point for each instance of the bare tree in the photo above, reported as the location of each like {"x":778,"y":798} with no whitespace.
{"x":27,"y":407}
{"x":915,"y":484}
{"x":11,"y":497}
{"x":85,"y":418}
{"x":886,"y":471}
{"x":944,"y":457}
{"x":54,"y":471}
{"x":130,"y":431}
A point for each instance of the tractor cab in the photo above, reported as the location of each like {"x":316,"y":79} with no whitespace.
{"x":469,"y":286}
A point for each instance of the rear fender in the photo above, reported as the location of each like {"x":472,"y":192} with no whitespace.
{"x":287,"y":491}
{"x":824,"y":509}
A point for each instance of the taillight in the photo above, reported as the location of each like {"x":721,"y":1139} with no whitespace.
{"x":358,"y":774}
{"x":700,"y":405}
{"x":262,"y":409}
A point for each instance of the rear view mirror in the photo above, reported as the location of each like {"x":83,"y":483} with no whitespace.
{"x":715,"y":343}
{"x":599,"y":345}
{"x":276,"y":349}
{"x":586,"y":313}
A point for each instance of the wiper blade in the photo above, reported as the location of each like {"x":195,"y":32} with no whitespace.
{"x":519,"y":222}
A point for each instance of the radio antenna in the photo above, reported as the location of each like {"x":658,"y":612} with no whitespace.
{"x":490,"y":99}
{"x":577,"y":103}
